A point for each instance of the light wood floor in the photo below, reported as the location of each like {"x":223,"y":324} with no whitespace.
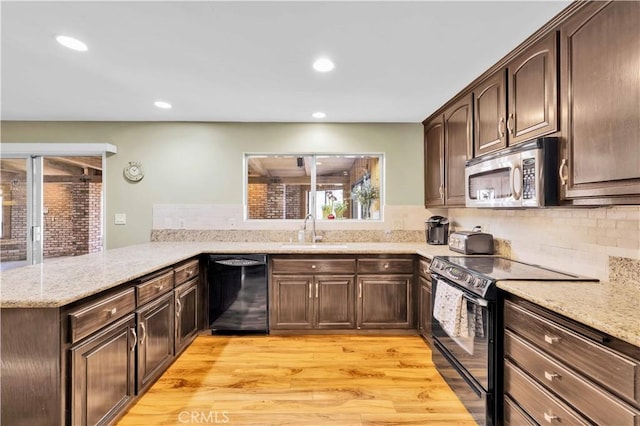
{"x":301,"y":380}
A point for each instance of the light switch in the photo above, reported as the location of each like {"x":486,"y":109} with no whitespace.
{"x":120,"y":219}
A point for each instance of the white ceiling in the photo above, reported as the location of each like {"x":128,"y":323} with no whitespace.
{"x":251,"y":61}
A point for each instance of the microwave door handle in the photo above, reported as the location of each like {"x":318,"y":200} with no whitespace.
{"x":476,"y":301}
{"x":516,"y":181}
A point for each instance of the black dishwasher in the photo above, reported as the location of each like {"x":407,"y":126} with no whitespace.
{"x":238,"y":293}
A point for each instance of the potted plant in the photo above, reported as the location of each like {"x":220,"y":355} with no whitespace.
{"x":327,"y":209}
{"x":365,"y":194}
{"x":339,"y":208}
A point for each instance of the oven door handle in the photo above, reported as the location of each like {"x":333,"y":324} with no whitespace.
{"x":476,"y":301}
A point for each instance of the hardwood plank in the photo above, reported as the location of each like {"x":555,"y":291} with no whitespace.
{"x":301,"y":380}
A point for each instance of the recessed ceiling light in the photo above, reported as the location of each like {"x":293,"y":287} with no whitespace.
{"x":72,"y":43}
{"x":323,"y":65}
{"x":162,"y":104}
{"x":319,"y":114}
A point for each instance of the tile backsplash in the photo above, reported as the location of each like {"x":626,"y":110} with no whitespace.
{"x":585,"y":241}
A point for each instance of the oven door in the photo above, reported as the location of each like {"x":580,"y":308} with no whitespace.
{"x":472,"y":348}
{"x":494,"y":182}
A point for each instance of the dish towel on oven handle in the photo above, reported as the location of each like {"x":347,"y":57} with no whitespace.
{"x":450,"y":309}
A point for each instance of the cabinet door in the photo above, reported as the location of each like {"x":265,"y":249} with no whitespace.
{"x":103,"y":373}
{"x":458,"y":125}
{"x":425,"y":309}
{"x":334,"y":301}
{"x":600,"y":93}
{"x":434,"y":163}
{"x":384,"y":301}
{"x":533,"y":92}
{"x":490,"y":105}
{"x":291,"y":302}
{"x":186,"y":314}
{"x":156,"y":339}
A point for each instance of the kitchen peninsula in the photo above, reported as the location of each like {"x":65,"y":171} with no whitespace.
{"x":37,"y":300}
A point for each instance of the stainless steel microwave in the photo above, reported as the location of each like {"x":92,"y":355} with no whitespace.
{"x":525,"y":175}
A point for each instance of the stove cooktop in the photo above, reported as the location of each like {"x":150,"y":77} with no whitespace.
{"x":479,"y":274}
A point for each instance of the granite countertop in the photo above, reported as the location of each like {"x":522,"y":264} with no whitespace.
{"x":606,"y":306}
{"x":58,"y":282}
{"x":609,"y":307}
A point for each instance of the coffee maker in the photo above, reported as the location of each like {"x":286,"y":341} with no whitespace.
{"x":436,"y":229}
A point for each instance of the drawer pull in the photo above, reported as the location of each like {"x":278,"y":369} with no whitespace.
{"x":386,"y":266}
{"x":313,"y":266}
{"x":189,"y":272}
{"x":551,"y":339}
{"x":550,"y":418}
{"x":551,"y":376}
{"x":159,"y":287}
{"x":110,"y":311}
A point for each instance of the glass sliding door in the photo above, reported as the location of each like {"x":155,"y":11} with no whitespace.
{"x":15,"y":247}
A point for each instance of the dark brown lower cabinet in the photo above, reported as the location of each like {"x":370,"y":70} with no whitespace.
{"x":156,"y":339}
{"x":559,"y":371}
{"x":186,"y":314}
{"x":308,"y":302}
{"x":384,"y":301}
{"x":103,"y":373}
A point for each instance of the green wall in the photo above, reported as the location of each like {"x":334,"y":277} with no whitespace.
{"x":201,"y":163}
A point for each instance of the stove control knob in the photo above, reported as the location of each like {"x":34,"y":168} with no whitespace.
{"x":477,"y":283}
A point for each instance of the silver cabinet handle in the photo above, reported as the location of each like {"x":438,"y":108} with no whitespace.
{"x":111,"y":311}
{"x":159,"y":287}
{"x":563,"y":177}
{"x":316,"y":289}
{"x":501,"y":127}
{"x":310,"y":290}
{"x":135,"y":339}
{"x":551,"y":376}
{"x":189,"y":272}
{"x":510,"y":123}
{"x":386,"y":266}
{"x":143,"y":335}
{"x":313,"y":266}
{"x":441,"y":191}
{"x":360,"y":290}
{"x":179,"y":307}
{"x":551,"y":339}
{"x":550,"y":418}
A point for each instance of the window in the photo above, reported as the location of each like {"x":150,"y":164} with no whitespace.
{"x":329,"y":186}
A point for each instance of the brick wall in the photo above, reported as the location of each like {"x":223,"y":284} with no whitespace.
{"x":295,"y":202}
{"x":73,"y":219}
{"x":257,"y":200}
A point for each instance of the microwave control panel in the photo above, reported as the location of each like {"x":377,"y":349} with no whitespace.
{"x":529,"y":178}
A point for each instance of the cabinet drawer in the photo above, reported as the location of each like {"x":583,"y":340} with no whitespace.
{"x":91,"y":317}
{"x":314,"y":266}
{"x":423,"y":267}
{"x":385,"y":266}
{"x":617,"y":372}
{"x":186,"y":271}
{"x":586,"y":397}
{"x":154,"y":287}
{"x":536,"y":401}
{"x":514,"y":416}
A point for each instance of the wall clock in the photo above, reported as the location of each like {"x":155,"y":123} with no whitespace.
{"x":133,"y":171}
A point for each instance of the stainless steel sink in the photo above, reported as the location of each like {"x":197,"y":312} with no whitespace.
{"x":313,"y":246}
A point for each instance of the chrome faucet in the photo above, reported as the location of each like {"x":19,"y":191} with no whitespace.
{"x":313,"y":219}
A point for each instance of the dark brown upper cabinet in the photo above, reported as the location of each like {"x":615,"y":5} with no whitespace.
{"x":434,"y":162}
{"x":458,"y":129}
{"x":600,"y":94}
{"x":490,"y":126}
{"x":519,"y":102}
{"x":533,"y":92}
